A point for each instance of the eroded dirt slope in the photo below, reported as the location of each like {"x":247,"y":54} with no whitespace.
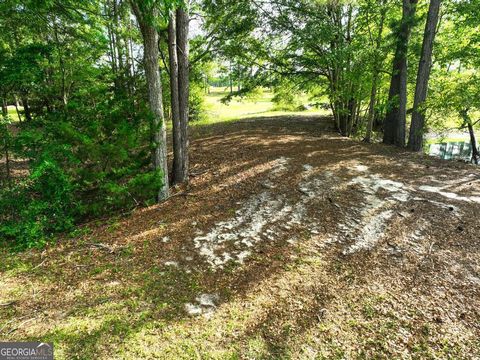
{"x":290,"y":242}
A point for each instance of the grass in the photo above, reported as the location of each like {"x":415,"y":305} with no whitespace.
{"x":450,"y":123}
{"x":447,"y":139}
{"x":259,"y":106}
{"x":12,"y":113}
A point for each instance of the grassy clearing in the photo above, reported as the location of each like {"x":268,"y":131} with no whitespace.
{"x":260,"y":106}
{"x":447,"y":139}
{"x":12,"y":113}
{"x":450,"y":122}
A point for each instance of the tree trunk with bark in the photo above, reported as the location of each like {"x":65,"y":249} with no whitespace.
{"x":376,"y":75}
{"x":58,"y":45}
{"x":468,"y":123}
{"x":417,"y":127}
{"x":4,"y":107}
{"x":177,"y":172}
{"x":183,"y":84}
{"x":155,"y":94}
{"x":17,"y":105}
{"x":473,"y":141}
{"x":26,"y":109}
{"x":395,"y":120}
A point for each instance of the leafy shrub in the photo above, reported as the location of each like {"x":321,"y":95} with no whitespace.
{"x":256,"y":94}
{"x":197,"y":103}
{"x":39,"y":207}
{"x":285,"y":99}
{"x":141,"y":189}
{"x":85,"y":163}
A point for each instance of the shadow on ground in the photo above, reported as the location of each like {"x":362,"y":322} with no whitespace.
{"x":119,"y":289}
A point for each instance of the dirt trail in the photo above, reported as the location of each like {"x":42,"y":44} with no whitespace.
{"x":292,"y":243}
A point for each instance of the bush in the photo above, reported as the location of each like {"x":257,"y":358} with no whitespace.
{"x":141,"y":189}
{"x":197,"y":103}
{"x":85,"y":163}
{"x":285,"y":99}
{"x":39,"y":207}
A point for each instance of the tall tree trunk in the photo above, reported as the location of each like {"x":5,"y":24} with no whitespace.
{"x":26,"y":108}
{"x":132,"y":61}
{"x":417,"y":127}
{"x":473,"y":141}
{"x":121,"y":48}
{"x":130,"y":71}
{"x":239,"y":84}
{"x":337,"y":69}
{"x":231,"y":79}
{"x":61,"y":63}
{"x":118,"y":39}
{"x":4,"y":107}
{"x":395,"y":120}
{"x":17,"y":108}
{"x":183,"y":84}
{"x":467,"y":122}
{"x":174,"y":101}
{"x":376,"y":75}
{"x":336,"y":117}
{"x":371,"y":109}
{"x":152,"y":73}
{"x":352,"y":115}
{"x":342,"y":115}
{"x":108,"y":9}
{"x":7,"y":162}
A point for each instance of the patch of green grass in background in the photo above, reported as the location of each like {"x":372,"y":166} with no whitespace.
{"x":12,"y":113}
{"x":448,"y":122}
{"x":259,"y":106}
{"x":441,"y":140}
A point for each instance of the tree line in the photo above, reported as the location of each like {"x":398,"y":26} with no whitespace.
{"x":372,"y":60}
{"x":94,"y":83}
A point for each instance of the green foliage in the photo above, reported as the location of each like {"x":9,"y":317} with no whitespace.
{"x":35,"y":209}
{"x":454,"y":86}
{"x":255,"y":94}
{"x":141,"y":186}
{"x":86,"y":162}
{"x":89,"y":140}
{"x":23,"y":70}
{"x":197,"y":102}
{"x":285,"y":98}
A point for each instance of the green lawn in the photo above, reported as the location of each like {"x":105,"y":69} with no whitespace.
{"x":261,"y":106}
{"x":450,"y":122}
{"x":441,"y":140}
{"x":12,"y":113}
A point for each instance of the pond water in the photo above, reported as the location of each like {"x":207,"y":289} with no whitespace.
{"x":457,"y":150}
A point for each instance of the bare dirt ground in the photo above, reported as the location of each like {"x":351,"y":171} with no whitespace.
{"x":290,"y":242}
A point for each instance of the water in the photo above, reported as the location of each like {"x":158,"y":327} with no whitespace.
{"x":453,"y":150}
